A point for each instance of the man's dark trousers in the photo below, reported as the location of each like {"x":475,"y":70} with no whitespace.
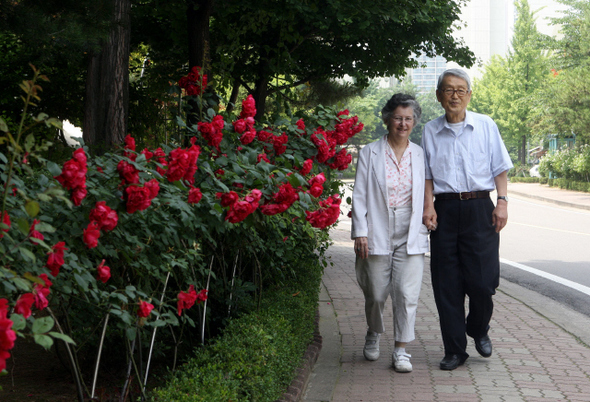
{"x":464,"y":261}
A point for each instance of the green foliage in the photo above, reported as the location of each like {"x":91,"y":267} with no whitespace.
{"x":508,"y":85}
{"x":568,"y":163}
{"x":256,"y":357}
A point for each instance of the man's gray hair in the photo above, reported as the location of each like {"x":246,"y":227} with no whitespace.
{"x":456,"y":72}
{"x":403,"y":100}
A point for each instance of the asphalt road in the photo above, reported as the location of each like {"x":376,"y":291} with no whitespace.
{"x":544,"y":247}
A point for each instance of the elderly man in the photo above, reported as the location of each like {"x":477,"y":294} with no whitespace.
{"x":465,"y":160}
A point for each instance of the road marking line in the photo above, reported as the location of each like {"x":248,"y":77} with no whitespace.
{"x":551,"y":277}
{"x":546,"y":228}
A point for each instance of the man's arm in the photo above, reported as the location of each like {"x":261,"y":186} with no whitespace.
{"x":429,"y":214}
{"x":500,"y":214}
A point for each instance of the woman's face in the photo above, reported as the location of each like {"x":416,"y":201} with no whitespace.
{"x":401,"y":122}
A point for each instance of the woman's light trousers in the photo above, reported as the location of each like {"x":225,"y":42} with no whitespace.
{"x":398,"y":275}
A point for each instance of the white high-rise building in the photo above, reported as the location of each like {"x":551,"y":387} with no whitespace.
{"x":487,"y":26}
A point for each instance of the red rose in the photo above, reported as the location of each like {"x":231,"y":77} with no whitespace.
{"x":104,"y":272}
{"x":91,"y":235}
{"x":279,"y":143}
{"x":306,"y":168}
{"x":262,"y":157}
{"x":24,"y":304}
{"x":148,"y":154}
{"x":328,"y":213}
{"x":7,"y":335}
{"x":130,"y":143}
{"x":193,"y":157}
{"x":341,"y":160}
{"x":218,"y":122}
{"x":194,"y":195}
{"x":78,"y":194}
{"x":248,"y":137}
{"x":5,"y":221}
{"x":106,"y":217}
{"x":228,"y":199}
{"x":34,"y":233}
{"x":301,"y":125}
{"x":186,"y":299}
{"x":41,"y":292}
{"x":178,"y":163}
{"x":154,"y":188}
{"x":248,"y":107}
{"x":138,"y":198}
{"x":239,"y":126}
{"x":56,"y":258}
{"x":128,"y":172}
{"x":202,"y":296}
{"x":264,"y":136}
{"x":144,"y":309}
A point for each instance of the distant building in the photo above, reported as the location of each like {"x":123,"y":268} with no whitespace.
{"x":487,"y":27}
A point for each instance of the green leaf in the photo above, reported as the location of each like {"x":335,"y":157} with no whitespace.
{"x":3,"y":125}
{"x":45,"y":227}
{"x":44,"y":341}
{"x":29,"y":142}
{"x":32,"y":208}
{"x":131,"y":333}
{"x":18,"y":322}
{"x":52,"y":121}
{"x":83,"y":284}
{"x":43,"y":325}
{"x":22,"y":284}
{"x":23,"y":225}
{"x":53,"y":168}
{"x":63,"y":337}
{"x":27,"y":254}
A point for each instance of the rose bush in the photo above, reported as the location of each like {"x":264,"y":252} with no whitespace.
{"x":226,"y":215}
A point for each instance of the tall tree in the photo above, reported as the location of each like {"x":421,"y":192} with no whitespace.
{"x":563,"y":106}
{"x":506,"y":89}
{"x":107,"y":83}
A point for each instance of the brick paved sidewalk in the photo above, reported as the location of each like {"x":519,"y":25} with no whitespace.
{"x":533,"y":360}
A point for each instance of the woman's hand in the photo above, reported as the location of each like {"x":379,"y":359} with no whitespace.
{"x":361,"y":247}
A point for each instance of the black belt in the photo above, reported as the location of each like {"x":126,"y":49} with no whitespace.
{"x":463,"y":196}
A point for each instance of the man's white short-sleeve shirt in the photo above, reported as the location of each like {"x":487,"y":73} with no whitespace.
{"x":467,"y":159}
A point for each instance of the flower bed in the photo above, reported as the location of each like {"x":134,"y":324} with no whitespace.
{"x":103,"y":251}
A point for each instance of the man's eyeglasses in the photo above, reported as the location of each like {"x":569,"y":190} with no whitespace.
{"x":399,"y":119}
{"x":450,"y":91}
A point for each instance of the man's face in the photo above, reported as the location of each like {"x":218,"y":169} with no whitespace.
{"x":452,"y":102}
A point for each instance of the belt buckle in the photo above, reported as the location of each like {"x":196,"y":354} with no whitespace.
{"x":461,"y":197}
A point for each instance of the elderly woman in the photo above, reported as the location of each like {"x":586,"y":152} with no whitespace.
{"x":389,"y":237}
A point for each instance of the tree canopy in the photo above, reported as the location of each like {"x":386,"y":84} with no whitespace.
{"x":265,"y":47}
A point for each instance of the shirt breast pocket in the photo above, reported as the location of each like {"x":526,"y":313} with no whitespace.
{"x":480,"y":164}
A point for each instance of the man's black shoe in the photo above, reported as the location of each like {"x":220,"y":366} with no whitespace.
{"x":483,"y":346}
{"x":451,"y":362}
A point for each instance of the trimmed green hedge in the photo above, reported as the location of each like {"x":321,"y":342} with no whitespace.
{"x":561,"y":183}
{"x":516,"y":179}
{"x":257,"y":355}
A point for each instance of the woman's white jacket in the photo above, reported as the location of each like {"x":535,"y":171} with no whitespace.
{"x":370,"y":211}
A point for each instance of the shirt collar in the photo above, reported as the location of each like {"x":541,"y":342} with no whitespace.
{"x":469,"y":121}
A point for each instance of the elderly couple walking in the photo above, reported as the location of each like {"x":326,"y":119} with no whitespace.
{"x":403,"y":193}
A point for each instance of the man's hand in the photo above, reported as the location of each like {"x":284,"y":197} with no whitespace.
{"x":429,"y":218}
{"x":361,"y":247}
{"x":500,"y":215}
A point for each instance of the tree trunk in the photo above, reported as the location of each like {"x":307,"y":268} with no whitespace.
{"x":198,"y":14}
{"x":107,"y":84}
{"x":231,"y":105}
{"x":259,"y":95}
{"x":523,"y":160}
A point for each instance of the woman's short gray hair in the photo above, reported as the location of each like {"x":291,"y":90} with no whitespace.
{"x":403,"y":100}
{"x":456,"y":72}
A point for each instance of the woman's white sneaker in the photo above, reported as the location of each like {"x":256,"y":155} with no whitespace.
{"x":401,"y":362}
{"x":371,"y":349}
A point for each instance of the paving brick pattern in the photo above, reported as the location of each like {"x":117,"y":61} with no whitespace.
{"x":533,"y":358}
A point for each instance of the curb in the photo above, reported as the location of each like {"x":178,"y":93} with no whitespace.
{"x":295,"y":391}
{"x":552,"y":201}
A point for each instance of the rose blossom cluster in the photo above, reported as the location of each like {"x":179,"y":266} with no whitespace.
{"x":194,"y":83}
{"x":327,"y":214}
{"x":73,"y":176}
{"x":55,"y":258}
{"x":6,"y":221}
{"x":239,"y":209}
{"x":102,"y":217}
{"x":212,"y":131}
{"x":182,"y":163}
{"x":187,"y":299}
{"x":39,"y":297}
{"x":281,"y":200}
{"x":7,"y":335}
{"x":316,"y":185}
